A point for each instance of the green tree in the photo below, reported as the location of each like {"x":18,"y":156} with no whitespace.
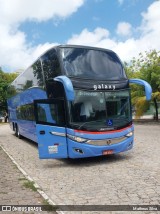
{"x":5,"y":80}
{"x":146,"y":67}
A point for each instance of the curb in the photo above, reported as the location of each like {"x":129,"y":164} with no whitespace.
{"x":41,"y":192}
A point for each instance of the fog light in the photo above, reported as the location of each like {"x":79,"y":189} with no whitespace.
{"x":78,"y":150}
{"x":130,"y":144}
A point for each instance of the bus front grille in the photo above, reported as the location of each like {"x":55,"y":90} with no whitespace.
{"x":106,"y":142}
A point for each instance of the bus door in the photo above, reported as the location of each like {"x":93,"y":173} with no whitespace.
{"x":50,"y":128}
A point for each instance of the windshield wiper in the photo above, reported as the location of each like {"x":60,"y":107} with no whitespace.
{"x":122,"y":118}
{"x":104,"y":120}
{"x":90,"y":122}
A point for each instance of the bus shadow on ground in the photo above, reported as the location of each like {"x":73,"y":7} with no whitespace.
{"x":107,"y":159}
{"x":88,"y":162}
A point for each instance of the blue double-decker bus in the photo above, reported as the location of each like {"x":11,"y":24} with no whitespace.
{"x":75,"y":102}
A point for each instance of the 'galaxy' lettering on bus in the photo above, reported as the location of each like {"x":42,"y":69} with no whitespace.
{"x":104,"y":86}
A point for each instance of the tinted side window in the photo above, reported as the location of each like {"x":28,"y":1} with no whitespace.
{"x":55,"y":89}
{"x":33,"y":76}
{"x":25,"y":112}
{"x":51,"y":65}
{"x":52,"y":113}
{"x":38,"y":75}
{"x":29,"y":78}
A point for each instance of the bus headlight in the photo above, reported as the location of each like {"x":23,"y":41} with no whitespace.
{"x":77,"y":139}
{"x":129,"y":134}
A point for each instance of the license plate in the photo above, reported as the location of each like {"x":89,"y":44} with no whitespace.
{"x":107,"y":152}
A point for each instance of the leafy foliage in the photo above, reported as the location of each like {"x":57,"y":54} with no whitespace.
{"x":5,"y":80}
{"x":146,"y":67}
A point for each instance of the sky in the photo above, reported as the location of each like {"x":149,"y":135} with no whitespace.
{"x":30,"y":27}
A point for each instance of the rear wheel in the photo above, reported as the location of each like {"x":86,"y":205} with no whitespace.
{"x":17,"y":132}
{"x":14,"y":128}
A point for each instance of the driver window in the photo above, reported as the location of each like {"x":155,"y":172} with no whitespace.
{"x":52,"y":113}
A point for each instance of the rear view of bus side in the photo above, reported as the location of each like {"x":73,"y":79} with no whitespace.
{"x":75,"y":102}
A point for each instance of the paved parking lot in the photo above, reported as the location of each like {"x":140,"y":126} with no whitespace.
{"x":128,"y":178}
{"x":13,"y":189}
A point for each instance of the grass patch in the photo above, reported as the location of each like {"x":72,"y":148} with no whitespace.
{"x":30,"y":185}
{"x":49,"y":207}
{"x":45,"y":202}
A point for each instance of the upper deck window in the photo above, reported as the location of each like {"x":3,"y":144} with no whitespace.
{"x":31,"y":77}
{"x":50,"y":63}
{"x":88,"y":63}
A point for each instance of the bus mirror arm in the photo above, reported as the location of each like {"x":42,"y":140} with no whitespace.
{"x":68,"y":87}
{"x":148,"y":89}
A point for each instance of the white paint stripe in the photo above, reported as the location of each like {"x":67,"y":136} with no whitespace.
{"x":41,"y":192}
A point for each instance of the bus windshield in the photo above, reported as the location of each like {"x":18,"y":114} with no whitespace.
{"x":88,"y":63}
{"x":100,"y":110}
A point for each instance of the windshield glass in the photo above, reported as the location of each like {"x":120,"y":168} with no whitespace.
{"x":100,"y":110}
{"x":88,"y":63}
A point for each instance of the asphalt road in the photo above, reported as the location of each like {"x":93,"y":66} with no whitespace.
{"x":131,"y":178}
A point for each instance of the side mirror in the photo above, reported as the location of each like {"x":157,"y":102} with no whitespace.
{"x":148,"y":89}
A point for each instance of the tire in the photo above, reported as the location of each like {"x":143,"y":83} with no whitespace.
{"x":14,"y":129}
{"x":17,"y":132}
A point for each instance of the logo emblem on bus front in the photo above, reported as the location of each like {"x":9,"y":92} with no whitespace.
{"x":108,"y":142}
